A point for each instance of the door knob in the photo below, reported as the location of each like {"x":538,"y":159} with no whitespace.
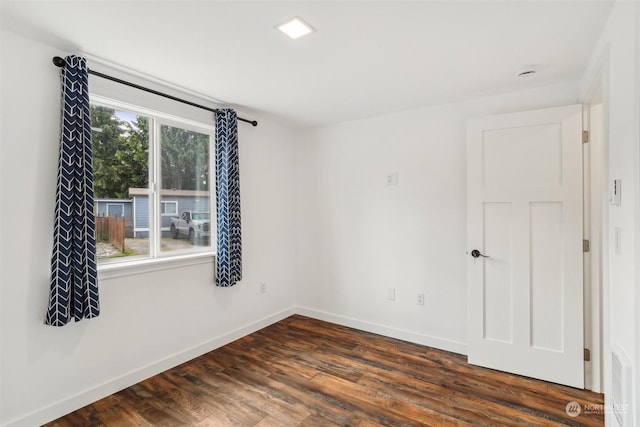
{"x":476,"y":253}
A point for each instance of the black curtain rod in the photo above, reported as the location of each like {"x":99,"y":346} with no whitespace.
{"x":59,"y":62}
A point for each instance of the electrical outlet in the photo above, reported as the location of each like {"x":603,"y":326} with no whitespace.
{"x":263,"y":288}
{"x":391,"y":294}
{"x":420,"y":299}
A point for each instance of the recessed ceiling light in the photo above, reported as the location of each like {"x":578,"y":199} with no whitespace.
{"x":295,"y":28}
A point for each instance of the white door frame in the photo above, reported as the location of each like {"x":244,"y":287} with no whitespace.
{"x":596,"y":155}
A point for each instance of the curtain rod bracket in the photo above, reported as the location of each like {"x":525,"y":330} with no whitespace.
{"x":60,"y":62}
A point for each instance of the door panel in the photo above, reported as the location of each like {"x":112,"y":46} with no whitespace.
{"x":498,"y":294}
{"x":525,"y":214}
{"x":546,"y":275}
{"x":529,"y":156}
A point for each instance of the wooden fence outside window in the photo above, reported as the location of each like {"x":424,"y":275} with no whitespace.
{"x":111,"y":229}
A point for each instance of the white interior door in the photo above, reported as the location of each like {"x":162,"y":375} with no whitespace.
{"x":525,"y":214}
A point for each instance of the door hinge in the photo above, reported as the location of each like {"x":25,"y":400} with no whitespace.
{"x":585,"y":136}
{"x":587,"y":355}
{"x":586,"y":247}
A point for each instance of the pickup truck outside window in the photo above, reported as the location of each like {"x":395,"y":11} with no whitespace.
{"x":194,"y":226}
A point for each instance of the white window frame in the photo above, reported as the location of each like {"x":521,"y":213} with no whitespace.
{"x":156,"y":259}
{"x":173,"y":202}
{"x":115,"y":204}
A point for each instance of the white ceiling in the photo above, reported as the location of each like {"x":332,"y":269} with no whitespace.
{"x":367,"y":57}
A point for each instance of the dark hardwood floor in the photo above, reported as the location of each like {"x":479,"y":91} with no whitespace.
{"x":306,"y":372}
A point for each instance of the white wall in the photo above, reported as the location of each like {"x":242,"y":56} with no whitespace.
{"x":356,"y":236}
{"x":149,"y":322}
{"x":617,"y":55}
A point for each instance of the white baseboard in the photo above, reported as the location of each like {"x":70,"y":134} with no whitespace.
{"x":439,"y":343}
{"x":72,"y":403}
{"x":77,"y":401}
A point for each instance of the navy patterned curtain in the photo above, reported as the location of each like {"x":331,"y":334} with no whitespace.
{"x":229,"y":243}
{"x":74,"y":279}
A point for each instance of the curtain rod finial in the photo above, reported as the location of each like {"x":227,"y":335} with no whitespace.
{"x":254,"y":123}
{"x":58,"y":62}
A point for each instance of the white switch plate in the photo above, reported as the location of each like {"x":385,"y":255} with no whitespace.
{"x":392,"y":178}
{"x":617,"y":240}
{"x":391,"y":294}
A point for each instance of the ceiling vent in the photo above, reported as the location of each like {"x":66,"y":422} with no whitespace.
{"x":527,"y":71}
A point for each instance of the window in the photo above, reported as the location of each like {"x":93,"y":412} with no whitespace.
{"x":169,"y":208}
{"x":115,"y":209}
{"x":157,"y":166}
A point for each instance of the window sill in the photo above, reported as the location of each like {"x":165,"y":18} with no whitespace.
{"x":149,"y":265}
